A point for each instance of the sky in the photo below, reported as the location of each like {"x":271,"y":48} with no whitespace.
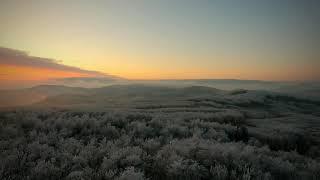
{"x":274,"y":40}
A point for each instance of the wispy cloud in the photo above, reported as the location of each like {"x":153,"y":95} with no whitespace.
{"x":21,"y":58}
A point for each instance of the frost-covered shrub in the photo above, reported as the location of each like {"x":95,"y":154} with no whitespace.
{"x":155,"y":146}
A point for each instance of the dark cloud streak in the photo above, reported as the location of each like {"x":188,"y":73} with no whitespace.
{"x":21,"y":58}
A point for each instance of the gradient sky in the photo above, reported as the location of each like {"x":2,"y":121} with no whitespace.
{"x":162,"y":39}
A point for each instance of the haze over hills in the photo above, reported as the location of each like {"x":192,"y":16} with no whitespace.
{"x":43,"y":92}
{"x":166,"y":88}
{"x":156,"y":91}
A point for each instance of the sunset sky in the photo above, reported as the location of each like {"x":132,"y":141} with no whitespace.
{"x":160,"y":39}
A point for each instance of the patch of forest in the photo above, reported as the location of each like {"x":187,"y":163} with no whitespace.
{"x":224,"y":145}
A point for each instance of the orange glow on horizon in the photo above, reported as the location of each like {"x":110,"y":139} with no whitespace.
{"x":250,"y":73}
{"x":27,"y":73}
{"x":11,"y":73}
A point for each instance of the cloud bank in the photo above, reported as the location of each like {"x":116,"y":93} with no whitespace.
{"x":21,"y":58}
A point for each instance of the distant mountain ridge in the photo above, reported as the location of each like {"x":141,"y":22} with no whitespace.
{"x":21,"y":97}
{"x":63,"y":95}
{"x":28,"y":96}
{"x":117,"y":87}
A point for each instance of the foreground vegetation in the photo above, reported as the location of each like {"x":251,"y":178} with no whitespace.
{"x":150,"y":145}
